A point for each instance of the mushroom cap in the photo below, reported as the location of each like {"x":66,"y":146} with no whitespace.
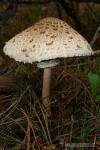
{"x":49,"y":38}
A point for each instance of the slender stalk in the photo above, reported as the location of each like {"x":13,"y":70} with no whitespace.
{"x":95,"y":36}
{"x":97,"y":52}
{"x":46,"y":90}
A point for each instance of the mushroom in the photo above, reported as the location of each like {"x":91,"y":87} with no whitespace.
{"x":44,"y":42}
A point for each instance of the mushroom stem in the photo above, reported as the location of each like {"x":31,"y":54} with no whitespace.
{"x":46,"y":90}
{"x":47,"y":65}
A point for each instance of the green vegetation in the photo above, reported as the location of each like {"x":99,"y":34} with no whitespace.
{"x":94,"y":80}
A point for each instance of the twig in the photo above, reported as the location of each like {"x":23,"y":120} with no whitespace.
{"x":95,"y":36}
{"x":58,"y":10}
{"x":97,"y":52}
{"x":34,"y":1}
{"x":88,"y":1}
{"x":94,"y":143}
{"x":92,"y":12}
{"x":65,"y":5}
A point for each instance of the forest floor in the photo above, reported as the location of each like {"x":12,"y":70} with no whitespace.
{"x":75,"y":90}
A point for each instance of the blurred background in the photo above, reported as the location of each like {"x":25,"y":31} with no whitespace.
{"x":75,"y":86}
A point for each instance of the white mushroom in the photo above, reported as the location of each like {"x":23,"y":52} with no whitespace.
{"x":48,"y":39}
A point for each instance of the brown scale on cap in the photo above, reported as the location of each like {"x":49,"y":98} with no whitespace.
{"x":65,"y":44}
{"x":42,"y":32}
{"x":78,"y":46}
{"x":55,"y":29}
{"x":50,"y":43}
{"x":53,"y":36}
{"x":67,"y":32}
{"x":31,"y":40}
{"x":24,"y":50}
{"x":13,"y":40}
{"x":47,"y":27}
{"x":35,"y":29}
{"x":26,"y":55}
{"x":33,"y":46}
{"x":71,"y":37}
{"x":47,"y":35}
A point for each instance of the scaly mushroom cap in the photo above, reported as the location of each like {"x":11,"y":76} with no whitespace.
{"x":49,"y":38}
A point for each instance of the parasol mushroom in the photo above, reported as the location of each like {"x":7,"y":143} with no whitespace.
{"x":46,"y":41}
